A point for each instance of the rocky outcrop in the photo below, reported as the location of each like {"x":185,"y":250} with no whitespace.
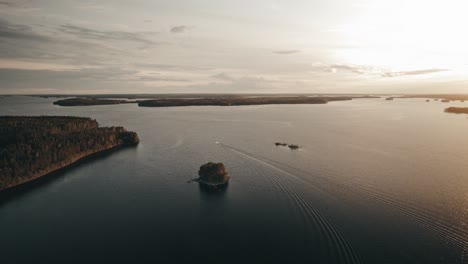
{"x":291,"y":146}
{"x":31,"y":147}
{"x":294,"y":146}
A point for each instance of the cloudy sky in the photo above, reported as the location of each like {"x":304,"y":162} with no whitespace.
{"x":244,"y":46}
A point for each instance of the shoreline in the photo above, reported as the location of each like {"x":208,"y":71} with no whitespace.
{"x":62,"y":167}
{"x":36,"y":146}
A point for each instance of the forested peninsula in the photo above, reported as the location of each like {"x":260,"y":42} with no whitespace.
{"x":31,"y":147}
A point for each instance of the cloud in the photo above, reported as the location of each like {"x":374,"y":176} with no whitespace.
{"x":28,"y":65}
{"x":242,"y":83}
{"x":76,"y":46}
{"x":7,"y":4}
{"x":99,"y":74}
{"x":223,"y":76}
{"x":416,"y":72}
{"x":179,"y":29}
{"x":344,"y":68}
{"x":160,"y":79}
{"x":286,"y":52}
{"x":18,"y":32}
{"x":171,"y":67}
{"x":376,"y":71}
{"x":28,"y":81}
{"x":350,"y":68}
{"x":25,"y":43}
{"x":88,"y":33}
{"x":74,"y":80}
{"x":12,"y":6}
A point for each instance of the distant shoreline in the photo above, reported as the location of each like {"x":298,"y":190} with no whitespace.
{"x":209,"y":101}
{"x":448,"y":97}
{"x":63,"y":167}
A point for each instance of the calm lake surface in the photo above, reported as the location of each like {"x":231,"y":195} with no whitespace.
{"x":376,"y":182}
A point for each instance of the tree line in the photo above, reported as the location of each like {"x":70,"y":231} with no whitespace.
{"x":31,"y":147}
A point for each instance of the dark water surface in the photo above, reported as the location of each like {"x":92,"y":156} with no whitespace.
{"x":376,"y":182}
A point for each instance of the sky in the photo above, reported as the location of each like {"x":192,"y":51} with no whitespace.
{"x":242,"y":46}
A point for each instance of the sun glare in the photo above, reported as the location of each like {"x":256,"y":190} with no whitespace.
{"x":405,"y":35}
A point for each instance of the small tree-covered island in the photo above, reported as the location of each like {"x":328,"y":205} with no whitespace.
{"x":32,"y":147}
{"x":213,"y":176}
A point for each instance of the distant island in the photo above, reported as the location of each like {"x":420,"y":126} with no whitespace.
{"x":196,"y":95}
{"x":171,"y":100}
{"x":236,"y":101}
{"x":457,"y":110}
{"x":32,"y":147}
{"x":90,"y":101}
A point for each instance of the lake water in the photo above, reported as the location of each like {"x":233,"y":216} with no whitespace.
{"x":376,"y":182}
